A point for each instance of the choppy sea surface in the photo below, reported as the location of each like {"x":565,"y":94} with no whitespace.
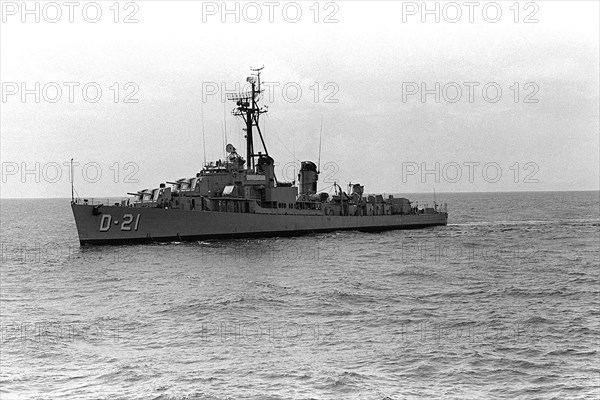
{"x":504,"y":302}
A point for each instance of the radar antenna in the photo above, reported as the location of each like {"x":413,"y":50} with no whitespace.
{"x":249,"y":110}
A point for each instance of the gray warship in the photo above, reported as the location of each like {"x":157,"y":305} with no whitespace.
{"x":242,"y":198}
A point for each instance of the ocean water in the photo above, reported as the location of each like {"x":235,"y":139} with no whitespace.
{"x":502,"y":303}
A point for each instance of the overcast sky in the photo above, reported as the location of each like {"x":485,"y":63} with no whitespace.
{"x":361,"y":68}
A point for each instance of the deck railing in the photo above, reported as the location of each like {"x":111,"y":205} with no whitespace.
{"x":94,"y":201}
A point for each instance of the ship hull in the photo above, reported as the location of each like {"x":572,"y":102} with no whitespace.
{"x":122,"y":225}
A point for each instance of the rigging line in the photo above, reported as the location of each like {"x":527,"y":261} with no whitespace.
{"x":326,"y":188}
{"x":71,"y":176}
{"x":239,"y":131}
{"x":265,"y":131}
{"x":264,"y":146}
{"x":225,"y":121}
{"x":224,"y":133}
{"x":203,"y":136}
{"x":335,"y":174}
{"x":320,"y":141}
{"x":281,"y":141}
{"x":330,"y":188}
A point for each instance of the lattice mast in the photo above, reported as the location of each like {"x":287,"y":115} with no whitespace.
{"x":249,"y":110}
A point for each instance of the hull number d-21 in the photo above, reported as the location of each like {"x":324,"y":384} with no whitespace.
{"x":106,"y":220}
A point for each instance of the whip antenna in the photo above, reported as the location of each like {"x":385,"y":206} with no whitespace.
{"x":72,"y":188}
{"x":320,"y":141}
{"x":203,"y":137}
{"x":225,"y":122}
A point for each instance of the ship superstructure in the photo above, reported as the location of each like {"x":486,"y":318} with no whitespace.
{"x":239,"y":197}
